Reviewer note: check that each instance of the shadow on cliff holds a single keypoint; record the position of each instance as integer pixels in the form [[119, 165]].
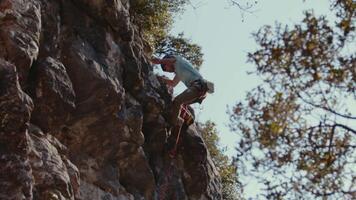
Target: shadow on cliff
[[82, 114]]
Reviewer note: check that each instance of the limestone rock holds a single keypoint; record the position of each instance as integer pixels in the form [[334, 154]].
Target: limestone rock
[[52, 93], [16, 180], [82, 115], [55, 177], [20, 33]]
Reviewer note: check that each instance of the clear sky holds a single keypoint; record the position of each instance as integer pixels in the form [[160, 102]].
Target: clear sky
[[225, 39]]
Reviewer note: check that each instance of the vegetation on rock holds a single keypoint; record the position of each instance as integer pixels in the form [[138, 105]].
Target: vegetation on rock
[[231, 187], [155, 18]]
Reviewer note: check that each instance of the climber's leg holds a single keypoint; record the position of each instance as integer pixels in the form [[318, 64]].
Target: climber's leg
[[186, 97]]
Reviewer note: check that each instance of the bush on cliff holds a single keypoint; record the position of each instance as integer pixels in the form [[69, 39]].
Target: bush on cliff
[[231, 188], [155, 18]]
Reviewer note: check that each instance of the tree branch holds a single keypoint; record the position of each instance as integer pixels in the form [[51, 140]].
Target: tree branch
[[325, 108], [341, 126], [345, 127], [328, 146], [244, 8], [331, 138]]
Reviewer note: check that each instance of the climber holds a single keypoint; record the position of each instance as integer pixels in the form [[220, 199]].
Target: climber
[[197, 87]]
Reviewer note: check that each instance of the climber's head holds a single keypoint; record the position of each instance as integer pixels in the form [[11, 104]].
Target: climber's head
[[168, 67]]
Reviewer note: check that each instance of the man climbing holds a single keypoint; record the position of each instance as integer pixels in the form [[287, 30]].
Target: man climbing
[[184, 71]]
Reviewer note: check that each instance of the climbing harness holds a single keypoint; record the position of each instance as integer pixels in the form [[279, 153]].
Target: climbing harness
[[186, 115]]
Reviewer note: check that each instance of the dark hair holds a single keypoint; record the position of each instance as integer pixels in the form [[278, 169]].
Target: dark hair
[[166, 56]]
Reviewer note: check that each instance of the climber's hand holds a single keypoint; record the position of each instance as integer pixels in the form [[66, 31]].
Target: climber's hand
[[161, 78], [155, 60], [170, 89]]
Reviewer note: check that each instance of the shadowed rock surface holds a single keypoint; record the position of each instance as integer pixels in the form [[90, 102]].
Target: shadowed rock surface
[[82, 114]]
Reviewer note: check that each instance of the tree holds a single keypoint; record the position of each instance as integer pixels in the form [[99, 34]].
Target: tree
[[181, 46], [154, 19], [231, 188], [296, 128]]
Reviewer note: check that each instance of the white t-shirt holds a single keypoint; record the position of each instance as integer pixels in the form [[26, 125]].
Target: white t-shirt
[[185, 71]]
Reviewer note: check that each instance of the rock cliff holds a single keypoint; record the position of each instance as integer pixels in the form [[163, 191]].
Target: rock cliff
[[82, 116]]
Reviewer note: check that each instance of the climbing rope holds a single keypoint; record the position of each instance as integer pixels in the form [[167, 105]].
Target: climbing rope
[[163, 189], [173, 153], [188, 119]]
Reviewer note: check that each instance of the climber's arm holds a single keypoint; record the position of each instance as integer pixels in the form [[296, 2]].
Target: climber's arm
[[169, 82], [174, 82], [163, 61]]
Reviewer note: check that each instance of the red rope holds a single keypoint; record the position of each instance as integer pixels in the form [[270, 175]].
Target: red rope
[[163, 189], [173, 152]]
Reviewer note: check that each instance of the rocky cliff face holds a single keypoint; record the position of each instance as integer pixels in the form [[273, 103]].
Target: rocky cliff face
[[82, 115]]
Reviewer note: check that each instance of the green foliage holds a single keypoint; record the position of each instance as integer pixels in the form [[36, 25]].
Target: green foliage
[[154, 19], [181, 46], [297, 124], [231, 188]]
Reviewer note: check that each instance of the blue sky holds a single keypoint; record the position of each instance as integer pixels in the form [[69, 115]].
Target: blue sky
[[225, 37]]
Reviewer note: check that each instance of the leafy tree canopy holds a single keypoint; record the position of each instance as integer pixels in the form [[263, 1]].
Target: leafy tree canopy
[[181, 46], [231, 188], [155, 18], [297, 128]]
